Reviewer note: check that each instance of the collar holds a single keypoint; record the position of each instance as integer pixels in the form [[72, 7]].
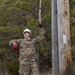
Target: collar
[[27, 38]]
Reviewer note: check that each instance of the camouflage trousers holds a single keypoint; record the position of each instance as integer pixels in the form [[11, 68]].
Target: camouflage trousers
[[29, 67]]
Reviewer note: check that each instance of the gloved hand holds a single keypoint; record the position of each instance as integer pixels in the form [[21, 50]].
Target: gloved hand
[[41, 25], [15, 47]]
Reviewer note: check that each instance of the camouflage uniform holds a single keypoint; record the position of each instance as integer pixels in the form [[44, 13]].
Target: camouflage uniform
[[28, 55]]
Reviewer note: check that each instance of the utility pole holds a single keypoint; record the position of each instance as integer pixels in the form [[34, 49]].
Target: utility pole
[[65, 61], [61, 51], [55, 56], [40, 10], [40, 22]]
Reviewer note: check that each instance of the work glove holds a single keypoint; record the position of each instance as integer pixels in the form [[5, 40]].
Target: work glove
[[15, 47], [41, 25]]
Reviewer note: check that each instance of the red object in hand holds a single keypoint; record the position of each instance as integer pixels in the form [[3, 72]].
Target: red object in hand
[[41, 25], [15, 47]]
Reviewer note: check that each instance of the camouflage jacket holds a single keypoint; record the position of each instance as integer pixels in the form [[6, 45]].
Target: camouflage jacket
[[27, 46]]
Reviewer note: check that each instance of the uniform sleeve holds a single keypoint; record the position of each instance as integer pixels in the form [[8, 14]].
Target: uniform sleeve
[[15, 41], [40, 37]]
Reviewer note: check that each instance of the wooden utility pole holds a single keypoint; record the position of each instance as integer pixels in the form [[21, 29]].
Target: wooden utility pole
[[61, 51], [65, 61], [55, 56]]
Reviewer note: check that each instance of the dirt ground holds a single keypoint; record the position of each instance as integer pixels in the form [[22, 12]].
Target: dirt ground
[[49, 72], [3, 73], [74, 67]]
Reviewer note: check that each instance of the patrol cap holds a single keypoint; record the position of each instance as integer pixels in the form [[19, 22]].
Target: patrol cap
[[27, 30]]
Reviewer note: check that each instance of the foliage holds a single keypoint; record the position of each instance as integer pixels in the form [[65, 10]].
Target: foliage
[[13, 67]]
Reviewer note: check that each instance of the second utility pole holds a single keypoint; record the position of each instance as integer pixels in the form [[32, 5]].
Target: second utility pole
[[55, 55]]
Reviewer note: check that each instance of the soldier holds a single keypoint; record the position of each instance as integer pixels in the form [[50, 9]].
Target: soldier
[[27, 52]]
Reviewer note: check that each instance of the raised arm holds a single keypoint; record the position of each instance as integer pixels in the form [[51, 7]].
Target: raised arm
[[40, 37]]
